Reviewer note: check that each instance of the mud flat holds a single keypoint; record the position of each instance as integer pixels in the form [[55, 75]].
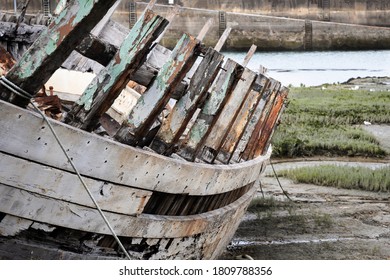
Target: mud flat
[[319, 222]]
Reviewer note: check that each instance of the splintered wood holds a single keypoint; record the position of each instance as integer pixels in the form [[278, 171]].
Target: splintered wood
[[196, 105], [53, 46], [106, 87]]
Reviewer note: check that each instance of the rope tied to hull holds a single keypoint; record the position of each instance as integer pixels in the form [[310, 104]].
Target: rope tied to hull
[[24, 94]]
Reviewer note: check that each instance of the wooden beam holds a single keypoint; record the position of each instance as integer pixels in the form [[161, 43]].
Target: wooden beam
[[174, 126], [248, 152], [205, 29], [249, 55], [153, 101], [222, 40], [228, 115], [241, 122], [106, 87], [51, 49], [269, 126], [219, 93], [254, 119], [6, 61]]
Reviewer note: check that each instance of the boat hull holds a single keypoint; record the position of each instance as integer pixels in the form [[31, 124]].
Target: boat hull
[[160, 207]]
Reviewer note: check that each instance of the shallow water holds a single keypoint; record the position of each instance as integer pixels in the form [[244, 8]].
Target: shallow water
[[317, 68]]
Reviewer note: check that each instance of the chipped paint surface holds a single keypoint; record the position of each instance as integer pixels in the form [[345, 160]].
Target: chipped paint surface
[[157, 96], [230, 110], [219, 92], [175, 124]]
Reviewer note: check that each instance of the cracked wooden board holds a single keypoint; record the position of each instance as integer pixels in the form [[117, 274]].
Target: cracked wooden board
[[240, 124], [229, 113], [219, 93], [53, 46], [107, 85], [23, 204], [65, 186], [173, 127], [153, 101], [115, 162]]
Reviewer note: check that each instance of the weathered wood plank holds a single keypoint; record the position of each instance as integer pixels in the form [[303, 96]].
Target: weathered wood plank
[[248, 152], [249, 55], [65, 186], [228, 115], [240, 123], [220, 91], [11, 225], [115, 163], [54, 45], [222, 40], [254, 119], [106, 87], [269, 126], [174, 126], [153, 101], [205, 29], [38, 208]]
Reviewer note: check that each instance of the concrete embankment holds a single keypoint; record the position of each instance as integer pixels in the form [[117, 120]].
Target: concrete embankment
[[267, 32]]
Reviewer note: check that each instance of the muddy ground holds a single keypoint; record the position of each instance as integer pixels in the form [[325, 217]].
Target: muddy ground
[[317, 222]]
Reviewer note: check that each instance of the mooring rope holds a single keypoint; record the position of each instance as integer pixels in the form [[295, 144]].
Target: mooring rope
[[24, 94], [277, 179]]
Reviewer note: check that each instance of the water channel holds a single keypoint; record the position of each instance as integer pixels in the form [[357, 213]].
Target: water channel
[[317, 68]]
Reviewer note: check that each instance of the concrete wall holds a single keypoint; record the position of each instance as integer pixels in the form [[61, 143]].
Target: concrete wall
[[367, 12], [272, 33], [267, 32]]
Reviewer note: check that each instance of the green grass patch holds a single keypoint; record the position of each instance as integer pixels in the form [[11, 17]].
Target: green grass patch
[[360, 178], [320, 122]]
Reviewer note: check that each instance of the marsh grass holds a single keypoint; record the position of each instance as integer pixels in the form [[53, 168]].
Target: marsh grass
[[359, 178], [324, 123]]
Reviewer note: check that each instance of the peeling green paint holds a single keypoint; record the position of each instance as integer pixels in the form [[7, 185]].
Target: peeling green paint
[[84, 9]]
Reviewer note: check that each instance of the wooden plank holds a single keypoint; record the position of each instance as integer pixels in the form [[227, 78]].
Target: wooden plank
[[96, 49], [269, 126], [205, 29], [106, 87], [115, 163], [254, 120], [240, 123], [248, 152], [174, 126], [11, 225], [222, 40], [153, 101], [23, 204], [65, 186], [249, 55], [220, 91], [228, 115], [51, 49]]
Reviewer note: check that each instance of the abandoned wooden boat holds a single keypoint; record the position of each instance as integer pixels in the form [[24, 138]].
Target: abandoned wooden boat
[[147, 189]]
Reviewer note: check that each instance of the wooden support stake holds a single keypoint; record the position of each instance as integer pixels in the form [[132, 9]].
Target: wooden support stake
[[153, 101], [106, 87], [170, 17], [248, 152], [228, 116], [219, 93], [51, 49], [240, 123], [177, 121]]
